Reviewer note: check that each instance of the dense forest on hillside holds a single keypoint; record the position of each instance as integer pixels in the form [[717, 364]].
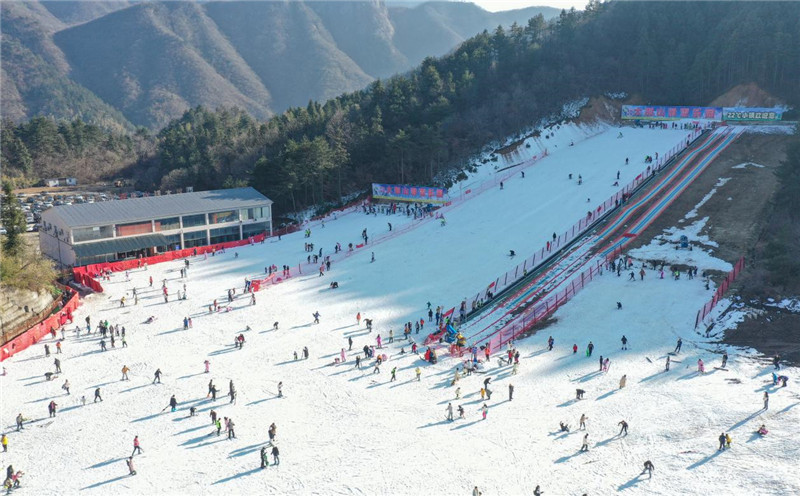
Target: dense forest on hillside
[[42, 148], [410, 128]]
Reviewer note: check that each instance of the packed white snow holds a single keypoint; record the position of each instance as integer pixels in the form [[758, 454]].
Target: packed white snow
[[667, 248], [341, 430]]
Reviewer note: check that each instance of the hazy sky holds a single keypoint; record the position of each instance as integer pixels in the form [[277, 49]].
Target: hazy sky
[[495, 5]]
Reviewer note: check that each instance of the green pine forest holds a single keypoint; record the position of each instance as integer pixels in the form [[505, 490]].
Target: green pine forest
[[423, 126]]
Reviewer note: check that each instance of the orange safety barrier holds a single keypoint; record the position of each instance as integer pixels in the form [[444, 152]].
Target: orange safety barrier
[[88, 274], [35, 333], [719, 293]]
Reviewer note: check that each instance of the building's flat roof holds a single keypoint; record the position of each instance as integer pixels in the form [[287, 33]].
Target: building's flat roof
[[156, 207]]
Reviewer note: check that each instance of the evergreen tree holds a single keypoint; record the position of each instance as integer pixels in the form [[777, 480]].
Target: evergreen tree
[[13, 220]]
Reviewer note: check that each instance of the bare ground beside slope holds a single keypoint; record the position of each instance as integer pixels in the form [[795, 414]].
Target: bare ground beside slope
[[737, 215]]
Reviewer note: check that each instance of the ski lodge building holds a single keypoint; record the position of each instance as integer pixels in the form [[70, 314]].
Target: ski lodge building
[[114, 230]]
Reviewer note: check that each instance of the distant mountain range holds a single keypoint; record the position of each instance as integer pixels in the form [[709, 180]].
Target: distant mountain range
[[125, 64]]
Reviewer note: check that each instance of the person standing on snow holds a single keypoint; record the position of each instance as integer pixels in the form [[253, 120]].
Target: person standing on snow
[[585, 444], [136, 447], [667, 369], [212, 389], [231, 432], [648, 467], [97, 396], [624, 342], [275, 456], [510, 392], [766, 400], [157, 376], [394, 376], [589, 349], [316, 316], [264, 459], [484, 410], [582, 423], [449, 411], [624, 428], [129, 463], [678, 346], [173, 403]]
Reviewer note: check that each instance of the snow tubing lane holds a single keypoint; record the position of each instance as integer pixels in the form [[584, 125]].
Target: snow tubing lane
[[524, 294], [716, 143]]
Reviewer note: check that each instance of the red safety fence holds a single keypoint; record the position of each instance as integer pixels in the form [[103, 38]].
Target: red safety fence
[[577, 230], [32, 336], [543, 308], [720, 292], [88, 274]]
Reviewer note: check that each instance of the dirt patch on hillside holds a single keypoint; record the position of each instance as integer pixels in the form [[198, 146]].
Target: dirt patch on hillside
[[745, 95], [737, 208], [600, 108], [737, 214], [512, 148]]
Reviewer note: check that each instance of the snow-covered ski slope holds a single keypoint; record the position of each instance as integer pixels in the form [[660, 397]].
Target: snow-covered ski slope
[[345, 431]]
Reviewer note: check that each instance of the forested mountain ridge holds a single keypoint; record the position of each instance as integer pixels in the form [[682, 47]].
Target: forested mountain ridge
[[412, 127], [34, 74], [125, 64]]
